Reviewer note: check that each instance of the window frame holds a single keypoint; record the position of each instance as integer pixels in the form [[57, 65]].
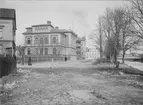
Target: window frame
[[46, 40], [1, 46], [36, 41], [28, 40], [46, 51], [54, 40], [42, 41], [54, 51], [1, 31]]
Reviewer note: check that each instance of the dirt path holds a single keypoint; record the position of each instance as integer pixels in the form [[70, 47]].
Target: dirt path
[[74, 86]]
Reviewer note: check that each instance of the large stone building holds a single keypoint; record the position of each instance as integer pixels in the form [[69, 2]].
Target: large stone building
[[44, 42]]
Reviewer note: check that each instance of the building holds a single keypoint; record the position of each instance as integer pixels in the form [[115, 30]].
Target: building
[[46, 42], [7, 31], [7, 41], [92, 53], [81, 47]]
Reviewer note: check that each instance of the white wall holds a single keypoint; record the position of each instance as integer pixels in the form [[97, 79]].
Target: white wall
[[7, 30]]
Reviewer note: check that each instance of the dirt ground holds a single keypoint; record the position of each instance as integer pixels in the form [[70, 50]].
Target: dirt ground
[[74, 85]]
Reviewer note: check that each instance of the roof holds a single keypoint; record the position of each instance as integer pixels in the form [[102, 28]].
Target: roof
[[42, 25], [28, 27], [53, 30]]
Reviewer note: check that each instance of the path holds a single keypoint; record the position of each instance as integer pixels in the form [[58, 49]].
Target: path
[[72, 63], [137, 65]]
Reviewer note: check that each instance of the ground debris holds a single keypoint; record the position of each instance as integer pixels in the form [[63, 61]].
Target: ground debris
[[97, 94]]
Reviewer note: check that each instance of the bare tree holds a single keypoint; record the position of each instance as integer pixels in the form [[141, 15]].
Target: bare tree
[[97, 37], [107, 25], [21, 50], [137, 15]]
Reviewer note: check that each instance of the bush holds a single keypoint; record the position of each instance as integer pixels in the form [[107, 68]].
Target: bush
[[103, 60]]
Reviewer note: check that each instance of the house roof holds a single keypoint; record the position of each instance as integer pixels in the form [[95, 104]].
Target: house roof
[[28, 27], [42, 25], [6, 13], [53, 30]]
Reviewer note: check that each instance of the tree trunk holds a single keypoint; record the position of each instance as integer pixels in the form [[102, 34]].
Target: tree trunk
[[22, 59], [100, 34], [123, 57]]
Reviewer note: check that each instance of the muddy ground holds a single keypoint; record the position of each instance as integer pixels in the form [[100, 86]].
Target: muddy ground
[[72, 86]]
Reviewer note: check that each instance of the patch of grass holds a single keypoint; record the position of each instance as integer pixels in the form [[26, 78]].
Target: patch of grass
[[122, 68]]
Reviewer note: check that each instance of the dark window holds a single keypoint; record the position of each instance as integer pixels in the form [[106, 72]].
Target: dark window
[[46, 51], [41, 51], [1, 49], [28, 41], [36, 51], [28, 51], [1, 35], [54, 40], [54, 50]]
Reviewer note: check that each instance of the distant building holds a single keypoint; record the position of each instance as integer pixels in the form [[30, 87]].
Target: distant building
[[7, 31], [80, 47], [44, 42], [92, 53]]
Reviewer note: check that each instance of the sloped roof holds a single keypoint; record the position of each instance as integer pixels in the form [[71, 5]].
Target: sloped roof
[[10, 14], [53, 30]]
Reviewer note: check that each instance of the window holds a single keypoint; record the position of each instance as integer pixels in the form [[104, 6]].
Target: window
[[36, 40], [41, 40], [54, 50], [54, 40], [41, 51], [46, 51], [1, 32], [28, 41], [46, 40], [1, 50], [28, 51], [36, 51]]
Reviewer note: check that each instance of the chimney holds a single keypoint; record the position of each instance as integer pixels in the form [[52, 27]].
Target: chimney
[[49, 22]]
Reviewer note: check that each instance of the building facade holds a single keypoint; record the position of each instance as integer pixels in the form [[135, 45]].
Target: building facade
[[7, 31], [7, 41], [44, 42], [92, 53]]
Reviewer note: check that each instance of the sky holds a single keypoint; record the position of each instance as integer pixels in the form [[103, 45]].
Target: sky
[[80, 15]]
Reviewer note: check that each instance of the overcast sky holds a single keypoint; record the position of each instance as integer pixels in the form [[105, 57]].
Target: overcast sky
[[79, 15]]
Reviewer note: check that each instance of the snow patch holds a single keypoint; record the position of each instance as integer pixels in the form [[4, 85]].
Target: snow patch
[[81, 94]]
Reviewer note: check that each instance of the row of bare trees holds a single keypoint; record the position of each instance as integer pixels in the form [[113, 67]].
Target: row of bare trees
[[119, 30]]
